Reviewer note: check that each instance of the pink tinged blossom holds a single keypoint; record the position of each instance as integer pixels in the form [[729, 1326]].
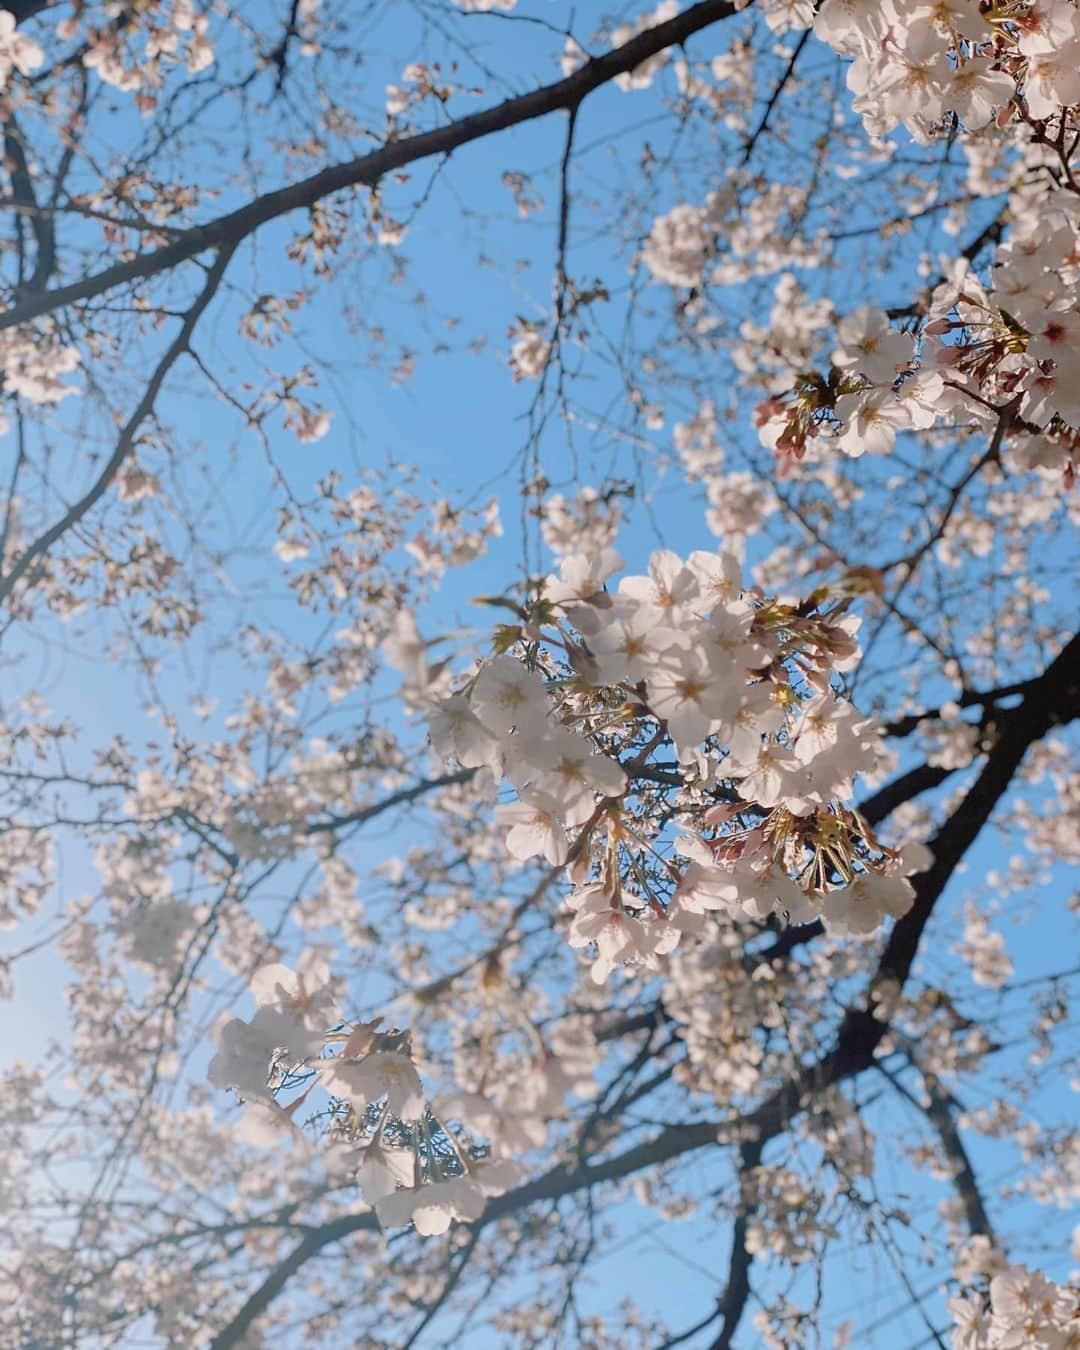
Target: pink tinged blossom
[[871, 420], [922, 398], [268, 1125], [582, 577], [534, 827], [835, 745], [629, 642], [1047, 26], [911, 88], [306, 993], [244, 1054], [17, 51], [383, 1170], [386, 1073], [616, 935], [757, 715], [970, 1323], [576, 771], [868, 346], [771, 891], [1052, 80], [719, 577], [704, 886], [432, 1208], [819, 723], [1041, 400], [612, 930], [692, 697], [508, 696], [783, 16], [772, 774], [859, 907], [951, 16], [1055, 336], [851, 26], [729, 648], [457, 733], [302, 1003], [976, 90], [669, 586]]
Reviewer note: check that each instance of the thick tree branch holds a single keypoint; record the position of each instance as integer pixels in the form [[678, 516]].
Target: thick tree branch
[[940, 1110], [26, 9], [1052, 700], [732, 1303], [970, 698], [228, 230], [25, 199]]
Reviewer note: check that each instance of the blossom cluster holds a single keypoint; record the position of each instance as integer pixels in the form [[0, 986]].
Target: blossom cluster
[[986, 357], [922, 64], [529, 351], [409, 1162], [17, 51], [1002, 357], [173, 34], [1023, 1308], [600, 706], [32, 366]]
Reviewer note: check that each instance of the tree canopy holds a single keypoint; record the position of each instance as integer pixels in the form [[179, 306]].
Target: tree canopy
[[538, 578]]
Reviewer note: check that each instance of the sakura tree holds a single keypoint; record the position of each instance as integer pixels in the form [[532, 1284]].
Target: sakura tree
[[538, 573]]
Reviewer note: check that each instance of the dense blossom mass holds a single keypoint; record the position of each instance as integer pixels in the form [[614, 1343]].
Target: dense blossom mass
[[538, 763], [739, 688]]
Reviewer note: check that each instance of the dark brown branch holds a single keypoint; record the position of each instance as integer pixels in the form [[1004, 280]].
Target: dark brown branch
[[732, 1303], [920, 779], [26, 9], [399, 798], [774, 98], [1052, 700], [942, 1115], [941, 1110], [970, 698], [228, 230], [25, 199]]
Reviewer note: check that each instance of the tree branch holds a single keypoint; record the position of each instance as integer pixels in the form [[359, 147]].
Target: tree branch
[[228, 230], [126, 441], [399, 798], [940, 1109]]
